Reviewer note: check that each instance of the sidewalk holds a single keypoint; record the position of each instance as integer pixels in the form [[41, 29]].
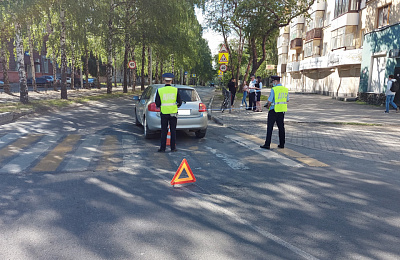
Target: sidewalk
[[322, 123], [44, 94]]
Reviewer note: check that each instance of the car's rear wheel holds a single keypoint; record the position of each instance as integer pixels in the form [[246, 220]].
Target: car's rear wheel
[[148, 134], [136, 119], [200, 133]]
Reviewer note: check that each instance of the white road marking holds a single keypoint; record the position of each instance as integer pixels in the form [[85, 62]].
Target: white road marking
[[232, 162], [266, 153], [209, 202], [26, 158]]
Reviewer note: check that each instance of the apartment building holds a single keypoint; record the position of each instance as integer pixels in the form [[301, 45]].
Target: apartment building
[[322, 53], [380, 25]]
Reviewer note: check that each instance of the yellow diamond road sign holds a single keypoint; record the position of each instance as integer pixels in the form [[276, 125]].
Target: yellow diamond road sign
[[220, 73], [223, 57]]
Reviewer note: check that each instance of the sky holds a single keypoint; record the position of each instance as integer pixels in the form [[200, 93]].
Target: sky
[[214, 39]]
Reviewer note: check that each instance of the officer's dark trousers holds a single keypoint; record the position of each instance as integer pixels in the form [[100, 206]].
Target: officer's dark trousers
[[277, 117], [252, 100], [165, 120]]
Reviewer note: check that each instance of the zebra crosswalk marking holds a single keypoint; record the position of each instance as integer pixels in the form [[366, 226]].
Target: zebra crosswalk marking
[[109, 160], [52, 160], [9, 138], [17, 146], [83, 155], [27, 157]]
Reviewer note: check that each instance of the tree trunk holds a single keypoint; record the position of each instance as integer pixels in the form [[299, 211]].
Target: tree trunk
[[87, 86], [23, 89], [115, 72], [4, 62], [125, 87], [64, 94], [157, 76], [143, 61], [134, 71], [109, 48], [33, 71], [81, 75], [98, 71], [161, 71], [173, 65], [54, 71], [150, 67], [72, 86]]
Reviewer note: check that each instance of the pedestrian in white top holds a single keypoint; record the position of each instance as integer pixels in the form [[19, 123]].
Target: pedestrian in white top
[[390, 95]]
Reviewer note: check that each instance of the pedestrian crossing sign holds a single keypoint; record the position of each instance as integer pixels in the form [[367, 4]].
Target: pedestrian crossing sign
[[184, 166], [223, 57]]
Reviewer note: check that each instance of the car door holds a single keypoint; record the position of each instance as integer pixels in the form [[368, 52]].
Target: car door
[[141, 106]]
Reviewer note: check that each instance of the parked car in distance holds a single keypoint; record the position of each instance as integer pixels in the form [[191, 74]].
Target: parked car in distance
[[68, 80], [192, 114], [1, 84], [92, 82], [39, 81]]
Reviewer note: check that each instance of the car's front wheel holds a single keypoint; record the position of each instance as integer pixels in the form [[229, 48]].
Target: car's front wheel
[[200, 133]]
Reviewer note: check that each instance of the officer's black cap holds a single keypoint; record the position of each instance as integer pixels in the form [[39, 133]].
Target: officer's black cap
[[168, 76], [275, 78]]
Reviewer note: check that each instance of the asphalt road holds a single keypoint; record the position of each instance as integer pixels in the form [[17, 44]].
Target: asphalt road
[[85, 184]]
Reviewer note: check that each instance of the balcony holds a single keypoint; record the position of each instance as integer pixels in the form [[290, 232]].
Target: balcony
[[296, 43], [347, 19], [293, 66], [283, 50], [315, 33]]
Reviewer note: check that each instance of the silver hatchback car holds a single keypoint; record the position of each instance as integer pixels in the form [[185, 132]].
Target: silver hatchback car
[[192, 114]]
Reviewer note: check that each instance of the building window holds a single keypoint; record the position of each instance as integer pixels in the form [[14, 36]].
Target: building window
[[383, 16], [308, 49], [344, 6]]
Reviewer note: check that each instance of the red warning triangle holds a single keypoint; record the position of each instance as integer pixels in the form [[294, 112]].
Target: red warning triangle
[[184, 166], [223, 59]]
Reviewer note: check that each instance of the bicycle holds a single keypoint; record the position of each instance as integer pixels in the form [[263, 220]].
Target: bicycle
[[227, 99]]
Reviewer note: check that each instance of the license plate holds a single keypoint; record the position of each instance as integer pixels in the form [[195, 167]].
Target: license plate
[[184, 112]]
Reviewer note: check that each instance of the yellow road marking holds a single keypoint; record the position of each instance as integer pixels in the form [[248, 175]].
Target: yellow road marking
[[18, 145], [288, 152], [52, 160], [109, 160]]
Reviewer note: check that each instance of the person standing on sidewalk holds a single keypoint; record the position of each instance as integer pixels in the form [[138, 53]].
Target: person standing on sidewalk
[[277, 105], [390, 95], [168, 100], [232, 89], [258, 94], [245, 91], [252, 93]]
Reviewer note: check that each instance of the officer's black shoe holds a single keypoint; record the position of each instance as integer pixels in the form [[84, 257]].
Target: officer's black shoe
[[161, 150], [265, 146], [281, 146], [174, 150]]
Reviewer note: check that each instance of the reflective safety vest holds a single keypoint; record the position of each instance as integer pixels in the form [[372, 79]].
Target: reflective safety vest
[[168, 96], [280, 95]]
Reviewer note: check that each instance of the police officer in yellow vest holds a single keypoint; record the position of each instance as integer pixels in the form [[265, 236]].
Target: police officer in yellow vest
[[168, 100], [277, 105]]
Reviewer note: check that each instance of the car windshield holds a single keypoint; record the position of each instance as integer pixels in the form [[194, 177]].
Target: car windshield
[[188, 95]]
